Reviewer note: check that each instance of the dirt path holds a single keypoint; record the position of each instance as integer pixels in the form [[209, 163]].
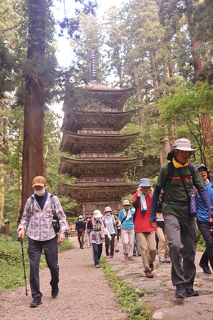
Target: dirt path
[[84, 293]]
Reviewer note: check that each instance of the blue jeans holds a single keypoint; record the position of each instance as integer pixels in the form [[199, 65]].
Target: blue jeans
[[97, 251]]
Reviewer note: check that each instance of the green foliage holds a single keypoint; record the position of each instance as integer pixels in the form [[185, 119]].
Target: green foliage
[[126, 294], [64, 246]]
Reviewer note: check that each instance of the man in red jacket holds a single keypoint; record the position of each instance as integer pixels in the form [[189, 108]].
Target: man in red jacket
[[145, 231]]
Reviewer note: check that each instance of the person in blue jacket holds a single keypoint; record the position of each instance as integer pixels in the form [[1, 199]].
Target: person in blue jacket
[[203, 220], [127, 229]]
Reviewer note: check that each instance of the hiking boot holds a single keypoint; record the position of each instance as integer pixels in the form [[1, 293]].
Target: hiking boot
[[107, 254], [180, 291], [167, 259], [162, 260], [116, 250], [139, 254], [134, 254], [97, 266], [149, 274], [54, 291], [191, 292], [151, 265], [111, 256], [35, 303], [205, 268], [126, 256], [131, 258]]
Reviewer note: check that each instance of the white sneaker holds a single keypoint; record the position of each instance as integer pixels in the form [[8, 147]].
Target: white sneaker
[[162, 260]]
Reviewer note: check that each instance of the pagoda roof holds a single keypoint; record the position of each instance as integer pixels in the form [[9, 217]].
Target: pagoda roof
[[113, 98], [96, 166], [79, 120], [96, 191], [75, 143]]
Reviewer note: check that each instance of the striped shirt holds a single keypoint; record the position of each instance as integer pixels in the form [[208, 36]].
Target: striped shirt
[[39, 223]]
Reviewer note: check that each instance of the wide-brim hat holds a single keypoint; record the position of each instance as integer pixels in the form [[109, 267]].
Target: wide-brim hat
[[144, 182], [126, 203], [201, 165], [97, 214], [183, 145], [39, 181], [107, 209]]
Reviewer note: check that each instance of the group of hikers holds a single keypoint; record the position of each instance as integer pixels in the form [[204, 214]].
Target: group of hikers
[[166, 213]]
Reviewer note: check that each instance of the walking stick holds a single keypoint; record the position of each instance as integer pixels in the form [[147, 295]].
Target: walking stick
[[22, 248]]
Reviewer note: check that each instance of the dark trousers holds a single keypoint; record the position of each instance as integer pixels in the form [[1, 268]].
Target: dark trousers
[[51, 254], [81, 238], [97, 251], [110, 244], [118, 233], [181, 236], [208, 238]]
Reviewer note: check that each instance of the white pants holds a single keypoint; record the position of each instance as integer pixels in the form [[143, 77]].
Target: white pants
[[128, 241]]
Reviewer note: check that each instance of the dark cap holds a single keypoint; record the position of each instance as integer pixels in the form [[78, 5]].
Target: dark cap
[[201, 165]]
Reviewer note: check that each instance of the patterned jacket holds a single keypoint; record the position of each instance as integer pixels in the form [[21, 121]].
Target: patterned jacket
[[39, 222]]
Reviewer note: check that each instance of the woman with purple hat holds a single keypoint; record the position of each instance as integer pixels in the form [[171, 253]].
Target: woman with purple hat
[[203, 222]]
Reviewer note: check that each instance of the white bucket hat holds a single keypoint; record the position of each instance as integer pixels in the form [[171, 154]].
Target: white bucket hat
[[107, 209], [182, 144], [97, 214], [126, 203], [80, 217]]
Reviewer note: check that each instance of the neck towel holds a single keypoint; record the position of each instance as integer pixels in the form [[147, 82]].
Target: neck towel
[[143, 202], [127, 214]]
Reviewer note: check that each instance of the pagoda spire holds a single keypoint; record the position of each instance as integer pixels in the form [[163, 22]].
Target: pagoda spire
[[93, 70]]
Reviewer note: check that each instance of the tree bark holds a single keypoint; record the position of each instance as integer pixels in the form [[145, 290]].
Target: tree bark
[[33, 162], [139, 96], [1, 168]]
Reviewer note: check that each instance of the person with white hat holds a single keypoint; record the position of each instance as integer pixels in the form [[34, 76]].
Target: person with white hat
[[177, 179], [97, 230], [38, 219], [203, 222], [127, 229], [144, 231], [109, 221], [80, 228]]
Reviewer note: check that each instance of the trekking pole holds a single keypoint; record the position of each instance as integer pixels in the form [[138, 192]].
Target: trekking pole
[[22, 248]]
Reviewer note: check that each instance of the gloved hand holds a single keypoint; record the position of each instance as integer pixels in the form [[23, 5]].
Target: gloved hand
[[109, 236]]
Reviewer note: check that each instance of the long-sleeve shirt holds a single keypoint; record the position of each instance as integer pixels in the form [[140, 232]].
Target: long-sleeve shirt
[[39, 222]]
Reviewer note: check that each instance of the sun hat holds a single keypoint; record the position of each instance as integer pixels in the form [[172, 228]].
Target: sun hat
[[201, 165], [39, 181], [126, 203], [97, 214], [144, 182], [182, 144], [80, 217], [107, 209]]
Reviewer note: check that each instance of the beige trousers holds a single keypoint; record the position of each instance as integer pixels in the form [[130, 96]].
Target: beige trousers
[[163, 247], [128, 241], [147, 245]]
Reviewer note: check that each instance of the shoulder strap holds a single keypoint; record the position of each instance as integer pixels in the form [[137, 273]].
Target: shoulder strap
[[191, 169], [52, 204], [188, 196], [31, 206], [169, 175]]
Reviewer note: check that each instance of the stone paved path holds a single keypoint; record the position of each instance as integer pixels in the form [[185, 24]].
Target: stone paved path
[[159, 290], [84, 293]]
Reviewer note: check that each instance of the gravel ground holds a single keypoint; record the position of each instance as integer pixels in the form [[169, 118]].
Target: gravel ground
[[84, 293]]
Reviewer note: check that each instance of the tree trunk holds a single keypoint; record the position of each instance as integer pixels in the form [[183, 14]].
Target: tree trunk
[[33, 162], [1, 165], [139, 96]]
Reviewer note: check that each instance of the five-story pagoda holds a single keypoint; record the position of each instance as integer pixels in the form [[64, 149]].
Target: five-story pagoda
[[94, 137]]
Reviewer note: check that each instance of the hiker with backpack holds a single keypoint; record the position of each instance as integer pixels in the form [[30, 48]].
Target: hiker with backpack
[[177, 179], [203, 222], [127, 229], [97, 230], [141, 201], [109, 221], [80, 227], [39, 211]]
